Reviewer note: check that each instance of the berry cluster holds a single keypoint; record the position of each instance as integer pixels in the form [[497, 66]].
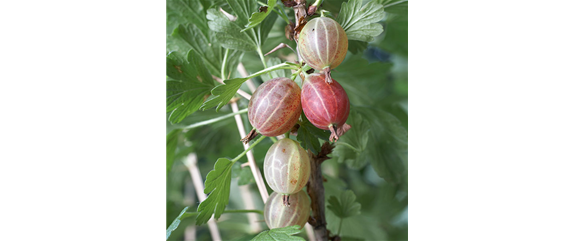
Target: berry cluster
[[275, 107]]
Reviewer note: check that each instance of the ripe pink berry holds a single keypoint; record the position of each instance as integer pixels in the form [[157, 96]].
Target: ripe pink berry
[[279, 215], [324, 104], [275, 106], [286, 167], [323, 43]]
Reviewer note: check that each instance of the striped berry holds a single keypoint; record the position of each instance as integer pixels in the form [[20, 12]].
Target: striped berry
[[325, 105], [275, 106], [286, 167], [323, 44], [279, 215]]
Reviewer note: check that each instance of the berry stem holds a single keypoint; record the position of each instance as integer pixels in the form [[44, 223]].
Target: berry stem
[[223, 117], [190, 214], [223, 64], [262, 59], [294, 76], [248, 149]]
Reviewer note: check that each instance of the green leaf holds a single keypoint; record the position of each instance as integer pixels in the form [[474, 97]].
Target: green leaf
[[357, 46], [175, 223], [205, 45], [376, 137], [187, 11], [217, 185], [396, 36], [307, 134], [345, 206], [361, 23], [258, 17], [364, 82], [245, 177], [333, 6], [352, 147], [243, 173], [391, 141], [279, 234], [242, 9], [396, 27], [189, 82], [229, 34], [172, 141], [222, 94]]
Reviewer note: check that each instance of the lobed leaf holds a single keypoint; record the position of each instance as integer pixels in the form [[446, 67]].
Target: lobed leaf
[[205, 45], [187, 11], [217, 185], [229, 33], [345, 206], [242, 9], [353, 148], [189, 81], [361, 23], [390, 160], [279, 234], [258, 17], [384, 146], [175, 223]]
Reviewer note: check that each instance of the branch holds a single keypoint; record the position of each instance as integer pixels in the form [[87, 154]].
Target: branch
[[317, 192]]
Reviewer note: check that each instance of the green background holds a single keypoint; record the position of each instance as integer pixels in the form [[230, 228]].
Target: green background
[[490, 127]]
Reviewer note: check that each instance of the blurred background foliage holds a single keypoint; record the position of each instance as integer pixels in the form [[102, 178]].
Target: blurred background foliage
[[370, 160]]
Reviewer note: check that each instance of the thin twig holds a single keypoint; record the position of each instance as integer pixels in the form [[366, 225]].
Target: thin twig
[[191, 163], [243, 72], [250, 158]]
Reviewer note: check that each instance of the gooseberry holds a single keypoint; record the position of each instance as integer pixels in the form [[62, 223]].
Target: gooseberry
[[323, 44], [286, 167], [275, 106], [279, 215], [325, 105]]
